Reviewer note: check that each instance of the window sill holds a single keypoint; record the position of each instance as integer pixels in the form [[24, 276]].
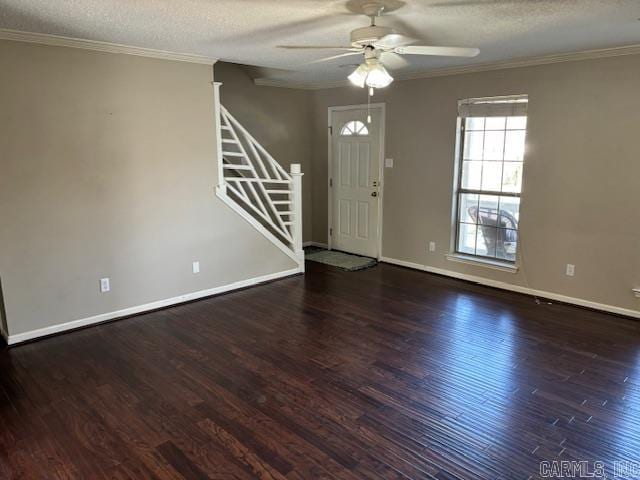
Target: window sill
[[482, 262]]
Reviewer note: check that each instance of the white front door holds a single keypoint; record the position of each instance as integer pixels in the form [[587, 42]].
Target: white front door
[[356, 151]]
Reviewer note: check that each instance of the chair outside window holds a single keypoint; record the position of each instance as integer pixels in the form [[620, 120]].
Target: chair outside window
[[489, 181]]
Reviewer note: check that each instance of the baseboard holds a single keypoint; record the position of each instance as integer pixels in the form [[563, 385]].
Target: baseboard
[[516, 288], [127, 312], [315, 244]]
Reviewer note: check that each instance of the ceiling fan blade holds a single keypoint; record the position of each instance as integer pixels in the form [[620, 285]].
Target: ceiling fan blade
[[333, 57], [393, 40], [317, 47], [393, 61], [437, 51]]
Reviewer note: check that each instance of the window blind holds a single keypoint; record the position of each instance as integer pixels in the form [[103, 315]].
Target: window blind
[[511, 106]]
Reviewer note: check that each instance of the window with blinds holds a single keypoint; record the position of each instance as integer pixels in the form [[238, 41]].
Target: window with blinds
[[489, 181]]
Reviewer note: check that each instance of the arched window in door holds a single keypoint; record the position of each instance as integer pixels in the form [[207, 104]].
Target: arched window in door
[[354, 128]]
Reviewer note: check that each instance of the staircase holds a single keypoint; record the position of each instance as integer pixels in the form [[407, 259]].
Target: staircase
[[257, 187]]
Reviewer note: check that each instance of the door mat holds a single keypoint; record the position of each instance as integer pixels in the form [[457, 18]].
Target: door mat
[[346, 261]]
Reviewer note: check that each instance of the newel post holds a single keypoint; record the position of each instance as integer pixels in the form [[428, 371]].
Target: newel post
[[296, 197], [221, 186]]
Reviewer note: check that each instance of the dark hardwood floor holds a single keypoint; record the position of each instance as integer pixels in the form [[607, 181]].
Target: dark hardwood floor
[[385, 373]]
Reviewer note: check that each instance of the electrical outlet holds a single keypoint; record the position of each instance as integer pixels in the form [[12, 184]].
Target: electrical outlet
[[636, 292], [571, 270], [432, 246], [105, 285], [388, 162], [196, 267]]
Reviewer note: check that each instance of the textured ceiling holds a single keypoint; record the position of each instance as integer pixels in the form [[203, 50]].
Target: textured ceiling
[[247, 31]]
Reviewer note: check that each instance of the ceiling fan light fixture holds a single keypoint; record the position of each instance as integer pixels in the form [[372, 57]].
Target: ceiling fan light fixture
[[378, 42], [371, 74], [359, 75], [378, 76]]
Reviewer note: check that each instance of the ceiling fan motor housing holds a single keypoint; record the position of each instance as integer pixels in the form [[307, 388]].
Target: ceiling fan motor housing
[[362, 37]]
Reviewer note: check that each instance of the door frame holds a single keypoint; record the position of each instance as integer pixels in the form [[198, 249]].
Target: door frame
[[383, 131]]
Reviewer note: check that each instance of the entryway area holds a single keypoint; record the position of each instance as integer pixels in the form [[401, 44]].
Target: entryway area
[[356, 150], [345, 261]]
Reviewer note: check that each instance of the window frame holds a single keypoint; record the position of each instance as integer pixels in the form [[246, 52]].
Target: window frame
[[459, 190]]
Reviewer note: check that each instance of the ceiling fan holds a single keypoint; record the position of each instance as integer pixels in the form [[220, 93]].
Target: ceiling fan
[[381, 46]]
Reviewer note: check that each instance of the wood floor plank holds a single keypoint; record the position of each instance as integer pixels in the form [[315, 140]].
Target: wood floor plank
[[385, 373]]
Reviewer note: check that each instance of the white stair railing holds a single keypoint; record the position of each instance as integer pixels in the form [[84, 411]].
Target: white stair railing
[[256, 186]]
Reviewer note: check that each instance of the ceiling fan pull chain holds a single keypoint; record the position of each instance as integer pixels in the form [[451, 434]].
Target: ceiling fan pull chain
[[369, 104]]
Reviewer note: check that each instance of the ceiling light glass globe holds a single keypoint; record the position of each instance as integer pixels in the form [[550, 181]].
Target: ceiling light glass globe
[[378, 76], [359, 75]]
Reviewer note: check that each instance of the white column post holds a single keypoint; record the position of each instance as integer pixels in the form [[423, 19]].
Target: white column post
[[221, 186], [296, 208]]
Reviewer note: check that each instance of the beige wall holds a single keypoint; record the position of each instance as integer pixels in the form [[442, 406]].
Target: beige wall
[[107, 164], [107, 168], [581, 181], [278, 118]]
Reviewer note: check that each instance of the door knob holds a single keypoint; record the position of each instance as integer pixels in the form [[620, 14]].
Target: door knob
[[374, 194]]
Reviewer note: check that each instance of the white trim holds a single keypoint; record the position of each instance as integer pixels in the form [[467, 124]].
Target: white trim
[[220, 193], [516, 288], [42, 332], [296, 222], [363, 106], [483, 67], [453, 230], [316, 244], [218, 119], [272, 82], [383, 109], [482, 262], [383, 154], [60, 41]]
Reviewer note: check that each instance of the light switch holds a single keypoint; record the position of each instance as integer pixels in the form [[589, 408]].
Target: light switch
[[105, 285], [388, 162]]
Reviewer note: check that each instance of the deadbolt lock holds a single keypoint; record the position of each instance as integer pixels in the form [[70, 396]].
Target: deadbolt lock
[[375, 183]]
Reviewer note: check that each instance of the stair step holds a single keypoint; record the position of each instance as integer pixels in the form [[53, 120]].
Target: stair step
[[262, 180], [223, 127], [233, 154], [229, 140], [286, 213], [287, 223], [283, 192], [231, 166], [282, 202]]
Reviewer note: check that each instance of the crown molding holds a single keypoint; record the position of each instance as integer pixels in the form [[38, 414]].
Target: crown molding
[[60, 41], [272, 82], [483, 67]]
